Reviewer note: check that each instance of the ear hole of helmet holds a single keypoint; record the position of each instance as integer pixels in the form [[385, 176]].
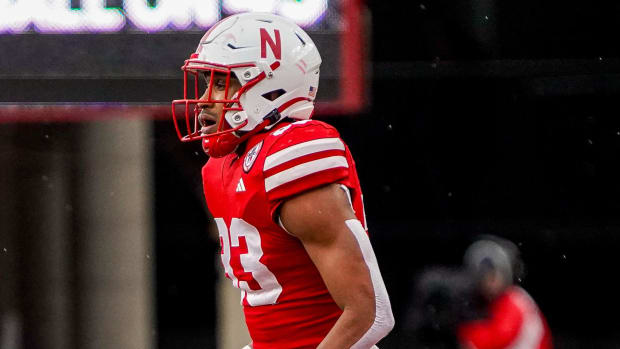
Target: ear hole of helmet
[[273, 95]]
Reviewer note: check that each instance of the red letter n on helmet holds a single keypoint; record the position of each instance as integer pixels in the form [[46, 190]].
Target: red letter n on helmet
[[276, 47]]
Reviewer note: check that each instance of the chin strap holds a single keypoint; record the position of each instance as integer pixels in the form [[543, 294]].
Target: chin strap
[[227, 143], [273, 117]]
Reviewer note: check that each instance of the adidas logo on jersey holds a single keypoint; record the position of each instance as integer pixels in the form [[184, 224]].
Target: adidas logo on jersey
[[240, 186]]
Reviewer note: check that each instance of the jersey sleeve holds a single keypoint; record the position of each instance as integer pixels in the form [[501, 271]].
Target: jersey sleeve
[[306, 155], [498, 331]]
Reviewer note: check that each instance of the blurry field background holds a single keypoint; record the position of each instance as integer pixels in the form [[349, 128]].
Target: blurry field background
[[465, 118]]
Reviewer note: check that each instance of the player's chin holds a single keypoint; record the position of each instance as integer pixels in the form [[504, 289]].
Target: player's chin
[[207, 130]]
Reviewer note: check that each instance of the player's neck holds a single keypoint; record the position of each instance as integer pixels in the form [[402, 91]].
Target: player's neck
[[241, 149]]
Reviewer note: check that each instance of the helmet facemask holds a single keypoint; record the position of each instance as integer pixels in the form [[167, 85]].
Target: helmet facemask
[[226, 137]]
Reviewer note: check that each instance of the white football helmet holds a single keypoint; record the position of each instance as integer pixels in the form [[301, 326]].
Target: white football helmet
[[491, 252], [271, 57]]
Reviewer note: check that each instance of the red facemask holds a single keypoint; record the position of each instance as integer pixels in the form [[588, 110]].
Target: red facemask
[[226, 138]]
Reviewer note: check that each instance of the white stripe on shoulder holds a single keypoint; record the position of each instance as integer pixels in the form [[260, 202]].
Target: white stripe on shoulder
[[301, 149], [304, 169]]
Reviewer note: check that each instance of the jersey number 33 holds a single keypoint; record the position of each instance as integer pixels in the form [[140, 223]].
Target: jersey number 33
[[241, 253]]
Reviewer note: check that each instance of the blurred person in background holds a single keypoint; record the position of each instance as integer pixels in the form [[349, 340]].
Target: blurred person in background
[[443, 299], [477, 305], [512, 320], [282, 188]]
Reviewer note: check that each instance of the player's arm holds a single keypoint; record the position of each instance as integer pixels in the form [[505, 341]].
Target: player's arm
[[323, 220]]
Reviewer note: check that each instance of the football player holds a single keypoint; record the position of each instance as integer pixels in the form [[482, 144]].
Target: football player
[[283, 188], [514, 320]]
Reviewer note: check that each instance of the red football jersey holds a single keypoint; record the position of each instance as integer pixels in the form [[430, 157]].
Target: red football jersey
[[515, 322], [285, 300]]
